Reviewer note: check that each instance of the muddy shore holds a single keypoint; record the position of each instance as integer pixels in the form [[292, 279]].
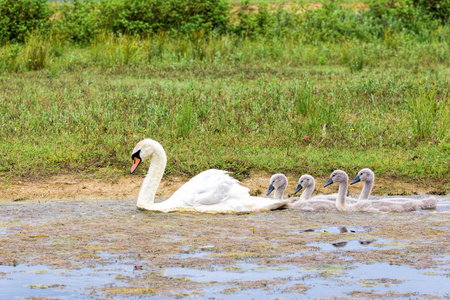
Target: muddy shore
[[73, 187]]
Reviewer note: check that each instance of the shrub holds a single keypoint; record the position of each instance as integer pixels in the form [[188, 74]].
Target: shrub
[[251, 23], [145, 17], [20, 17], [76, 21], [332, 22], [439, 9], [416, 16]]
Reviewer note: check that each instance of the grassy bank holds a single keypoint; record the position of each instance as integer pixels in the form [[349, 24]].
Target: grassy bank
[[273, 105]]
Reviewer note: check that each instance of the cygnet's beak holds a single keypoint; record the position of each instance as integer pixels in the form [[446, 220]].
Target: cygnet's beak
[[271, 188], [299, 187], [330, 181], [355, 180]]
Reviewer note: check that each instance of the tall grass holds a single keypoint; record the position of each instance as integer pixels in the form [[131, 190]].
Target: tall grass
[[84, 120], [430, 116], [36, 52], [109, 50]]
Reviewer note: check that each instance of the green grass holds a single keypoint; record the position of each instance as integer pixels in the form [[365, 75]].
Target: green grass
[[238, 104], [303, 2]]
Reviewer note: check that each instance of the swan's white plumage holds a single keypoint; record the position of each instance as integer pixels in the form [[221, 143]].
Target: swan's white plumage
[[210, 191], [341, 177], [368, 176]]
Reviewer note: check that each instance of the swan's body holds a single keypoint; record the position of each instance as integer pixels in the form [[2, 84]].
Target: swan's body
[[210, 191], [368, 177], [341, 177], [280, 184], [307, 181]]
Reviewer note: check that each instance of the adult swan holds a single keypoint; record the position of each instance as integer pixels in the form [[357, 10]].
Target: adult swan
[[210, 191]]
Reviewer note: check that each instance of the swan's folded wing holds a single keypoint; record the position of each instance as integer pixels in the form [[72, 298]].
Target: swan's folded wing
[[313, 205], [427, 203], [386, 206], [211, 187]]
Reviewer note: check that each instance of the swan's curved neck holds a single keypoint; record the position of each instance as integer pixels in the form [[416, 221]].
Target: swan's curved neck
[[365, 193], [307, 192], [340, 200], [146, 198]]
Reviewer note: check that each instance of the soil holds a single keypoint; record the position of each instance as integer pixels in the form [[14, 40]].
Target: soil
[[73, 187]]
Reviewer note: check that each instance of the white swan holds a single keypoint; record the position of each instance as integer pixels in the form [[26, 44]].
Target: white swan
[[365, 205], [368, 176], [210, 191], [307, 181], [280, 183]]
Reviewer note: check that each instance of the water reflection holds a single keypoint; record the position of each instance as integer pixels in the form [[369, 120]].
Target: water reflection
[[361, 244], [337, 229]]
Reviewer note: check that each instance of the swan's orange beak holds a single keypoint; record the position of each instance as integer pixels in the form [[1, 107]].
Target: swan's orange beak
[[136, 162]]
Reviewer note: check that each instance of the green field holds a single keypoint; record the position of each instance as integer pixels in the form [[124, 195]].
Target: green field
[[279, 103]]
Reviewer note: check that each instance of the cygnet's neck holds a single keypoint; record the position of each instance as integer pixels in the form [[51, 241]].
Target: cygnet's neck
[[278, 195], [146, 198], [340, 201], [307, 192], [367, 189]]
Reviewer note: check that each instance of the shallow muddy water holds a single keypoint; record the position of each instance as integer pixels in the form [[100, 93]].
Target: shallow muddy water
[[104, 249]]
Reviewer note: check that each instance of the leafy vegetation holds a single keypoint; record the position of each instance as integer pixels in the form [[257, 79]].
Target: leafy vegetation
[[19, 18], [270, 89]]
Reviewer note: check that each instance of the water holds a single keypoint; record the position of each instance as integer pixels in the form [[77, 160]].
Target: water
[[336, 229], [41, 281], [443, 205], [235, 279], [360, 245], [318, 281], [344, 229]]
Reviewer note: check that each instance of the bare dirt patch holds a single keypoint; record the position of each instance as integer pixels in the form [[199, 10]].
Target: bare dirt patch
[[292, 7], [73, 187]]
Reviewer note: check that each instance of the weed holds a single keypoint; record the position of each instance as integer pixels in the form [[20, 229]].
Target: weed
[[35, 53], [429, 114]]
